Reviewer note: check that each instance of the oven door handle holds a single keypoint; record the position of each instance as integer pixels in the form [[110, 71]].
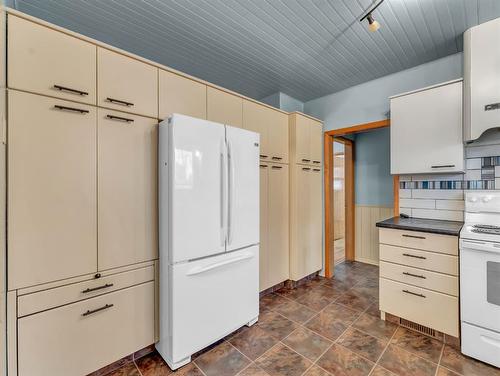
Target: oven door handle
[[480, 245]]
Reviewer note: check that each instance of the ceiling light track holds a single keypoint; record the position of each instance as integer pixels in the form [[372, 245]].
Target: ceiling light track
[[372, 24]]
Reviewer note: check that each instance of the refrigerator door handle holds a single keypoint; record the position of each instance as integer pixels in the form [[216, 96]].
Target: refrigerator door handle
[[215, 265], [230, 195], [223, 192]]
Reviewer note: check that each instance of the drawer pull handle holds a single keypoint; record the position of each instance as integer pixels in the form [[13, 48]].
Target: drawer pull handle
[[69, 90], [316, 161], [414, 293], [413, 236], [119, 118], [97, 288], [277, 158], [306, 169], [277, 167], [316, 169], [117, 101], [89, 312], [71, 109], [415, 275], [492, 106], [306, 160], [263, 166], [444, 166], [417, 257], [264, 156]]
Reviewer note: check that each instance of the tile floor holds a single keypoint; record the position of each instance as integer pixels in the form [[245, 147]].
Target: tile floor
[[326, 327]]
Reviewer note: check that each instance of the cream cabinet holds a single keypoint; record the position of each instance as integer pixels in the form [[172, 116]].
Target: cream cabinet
[[225, 108], [52, 232], [44, 61], [426, 130], [306, 221], [126, 84], [481, 79], [272, 127], [419, 278], [274, 230], [306, 140], [178, 94], [127, 188]]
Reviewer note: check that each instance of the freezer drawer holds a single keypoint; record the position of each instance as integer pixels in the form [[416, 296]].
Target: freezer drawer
[[209, 299]]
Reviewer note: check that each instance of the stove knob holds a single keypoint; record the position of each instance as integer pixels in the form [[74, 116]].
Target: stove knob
[[487, 199], [472, 199]]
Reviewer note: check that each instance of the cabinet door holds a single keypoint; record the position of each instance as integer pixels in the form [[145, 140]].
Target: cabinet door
[[224, 108], [426, 131], [300, 262], [302, 140], [278, 135], [316, 142], [481, 78], [278, 249], [181, 95], [315, 257], [127, 189], [52, 189], [126, 84], [264, 228], [254, 119], [48, 62]]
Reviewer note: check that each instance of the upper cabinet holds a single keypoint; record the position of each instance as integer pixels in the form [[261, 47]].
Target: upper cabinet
[[273, 128], [426, 130], [306, 138], [225, 108], [481, 79], [52, 63], [178, 94], [126, 84]]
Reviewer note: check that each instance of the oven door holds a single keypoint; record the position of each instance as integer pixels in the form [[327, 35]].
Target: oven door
[[480, 283]]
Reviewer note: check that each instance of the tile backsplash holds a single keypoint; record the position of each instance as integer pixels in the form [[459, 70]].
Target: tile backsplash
[[442, 196]]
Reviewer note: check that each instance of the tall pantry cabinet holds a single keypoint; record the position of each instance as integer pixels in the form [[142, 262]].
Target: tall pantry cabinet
[[306, 218]]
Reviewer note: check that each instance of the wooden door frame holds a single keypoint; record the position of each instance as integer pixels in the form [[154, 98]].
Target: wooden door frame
[[329, 137]]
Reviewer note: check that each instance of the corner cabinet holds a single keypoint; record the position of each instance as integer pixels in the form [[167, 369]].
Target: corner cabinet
[[481, 79], [426, 130]]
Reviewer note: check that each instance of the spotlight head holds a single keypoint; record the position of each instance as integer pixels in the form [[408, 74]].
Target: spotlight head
[[372, 24]]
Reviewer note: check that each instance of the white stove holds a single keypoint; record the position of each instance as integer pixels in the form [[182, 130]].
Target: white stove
[[480, 276]]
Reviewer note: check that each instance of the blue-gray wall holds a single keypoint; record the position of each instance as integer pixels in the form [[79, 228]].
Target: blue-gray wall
[[283, 101], [370, 102]]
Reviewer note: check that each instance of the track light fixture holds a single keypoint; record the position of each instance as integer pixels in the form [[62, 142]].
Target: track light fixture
[[373, 25]]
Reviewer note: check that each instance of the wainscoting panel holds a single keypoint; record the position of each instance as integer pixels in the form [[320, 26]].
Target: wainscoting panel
[[366, 242]]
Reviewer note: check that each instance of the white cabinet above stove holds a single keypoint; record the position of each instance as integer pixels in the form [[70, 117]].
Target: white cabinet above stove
[[426, 130], [481, 79]]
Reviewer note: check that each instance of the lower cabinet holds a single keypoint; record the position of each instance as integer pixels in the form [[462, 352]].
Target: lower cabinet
[[80, 338], [274, 224], [306, 239]]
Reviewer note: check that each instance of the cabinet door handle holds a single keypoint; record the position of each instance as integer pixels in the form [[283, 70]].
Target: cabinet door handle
[[415, 275], [492, 106], [69, 90], [414, 256], [89, 312], [277, 167], [264, 156], [306, 160], [97, 288], [277, 158], [117, 101], [263, 166], [414, 293], [316, 161], [306, 169], [316, 169], [413, 236], [443, 166], [71, 109], [119, 118]]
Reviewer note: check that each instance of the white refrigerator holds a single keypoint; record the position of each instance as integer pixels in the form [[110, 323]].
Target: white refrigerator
[[209, 234]]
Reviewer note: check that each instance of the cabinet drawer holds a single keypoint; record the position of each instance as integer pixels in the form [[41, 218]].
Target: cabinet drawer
[[126, 84], [47, 299], [422, 278], [425, 307], [420, 240], [80, 338], [49, 62], [420, 259]]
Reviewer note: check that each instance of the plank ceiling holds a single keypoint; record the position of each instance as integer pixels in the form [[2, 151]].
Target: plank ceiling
[[305, 48]]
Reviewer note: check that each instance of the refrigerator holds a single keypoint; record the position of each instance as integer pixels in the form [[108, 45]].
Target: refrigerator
[[208, 233]]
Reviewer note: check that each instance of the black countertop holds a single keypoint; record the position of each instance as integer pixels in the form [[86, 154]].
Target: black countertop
[[435, 226]]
